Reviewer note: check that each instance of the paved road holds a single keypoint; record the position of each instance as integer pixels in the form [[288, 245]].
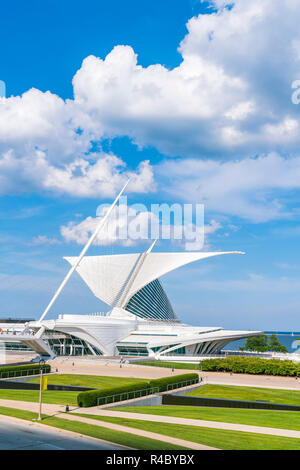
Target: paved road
[[16, 435]]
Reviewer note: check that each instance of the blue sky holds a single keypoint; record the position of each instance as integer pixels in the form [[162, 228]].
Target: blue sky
[[195, 98]]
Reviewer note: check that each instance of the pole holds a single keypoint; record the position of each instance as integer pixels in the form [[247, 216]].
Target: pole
[[41, 386], [75, 266]]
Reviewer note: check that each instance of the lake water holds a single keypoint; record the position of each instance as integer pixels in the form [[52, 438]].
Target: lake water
[[290, 339]]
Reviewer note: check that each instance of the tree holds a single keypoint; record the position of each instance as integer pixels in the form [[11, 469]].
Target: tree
[[257, 343], [275, 345]]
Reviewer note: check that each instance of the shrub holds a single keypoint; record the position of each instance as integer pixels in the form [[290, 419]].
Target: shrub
[[251, 365], [17, 371], [91, 397], [163, 383]]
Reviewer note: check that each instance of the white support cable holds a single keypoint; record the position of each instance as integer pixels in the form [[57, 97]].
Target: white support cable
[[85, 249]]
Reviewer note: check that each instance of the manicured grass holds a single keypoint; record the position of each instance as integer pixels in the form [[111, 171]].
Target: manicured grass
[[93, 381], [218, 438], [269, 418], [170, 365], [117, 437], [49, 396], [290, 397]]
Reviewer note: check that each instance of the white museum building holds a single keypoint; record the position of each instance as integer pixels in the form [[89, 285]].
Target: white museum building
[[141, 321]]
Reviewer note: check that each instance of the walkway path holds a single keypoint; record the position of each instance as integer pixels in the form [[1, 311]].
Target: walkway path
[[57, 411], [108, 367], [191, 422]]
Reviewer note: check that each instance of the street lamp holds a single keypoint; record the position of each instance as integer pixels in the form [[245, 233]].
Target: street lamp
[[41, 363]]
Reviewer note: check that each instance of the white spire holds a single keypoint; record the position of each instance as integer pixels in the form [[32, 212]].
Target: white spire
[[85, 249]]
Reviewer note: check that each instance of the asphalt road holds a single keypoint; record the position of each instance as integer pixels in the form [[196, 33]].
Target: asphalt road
[[19, 436]]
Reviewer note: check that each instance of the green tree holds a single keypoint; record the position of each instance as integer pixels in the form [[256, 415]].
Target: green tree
[[275, 345], [257, 343]]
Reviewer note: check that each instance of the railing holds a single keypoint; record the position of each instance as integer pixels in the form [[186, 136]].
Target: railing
[[20, 373], [126, 396], [186, 383]]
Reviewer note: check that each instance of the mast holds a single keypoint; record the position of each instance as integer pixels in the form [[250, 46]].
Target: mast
[[85, 249]]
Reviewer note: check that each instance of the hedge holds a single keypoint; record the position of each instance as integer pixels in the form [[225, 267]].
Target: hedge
[[91, 398], [252, 365], [17, 371], [163, 383]]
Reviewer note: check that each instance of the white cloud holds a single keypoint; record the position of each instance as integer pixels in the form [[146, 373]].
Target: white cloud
[[100, 175], [44, 240], [128, 226], [230, 97], [248, 188], [45, 144], [123, 228], [230, 94]]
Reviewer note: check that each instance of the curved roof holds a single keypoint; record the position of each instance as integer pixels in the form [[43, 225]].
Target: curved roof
[[115, 279]]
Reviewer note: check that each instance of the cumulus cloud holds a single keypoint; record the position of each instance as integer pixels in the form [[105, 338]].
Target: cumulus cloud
[[101, 174], [230, 97], [248, 188], [45, 144], [230, 94]]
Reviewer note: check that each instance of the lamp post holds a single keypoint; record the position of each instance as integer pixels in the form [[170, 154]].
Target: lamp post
[[41, 362]]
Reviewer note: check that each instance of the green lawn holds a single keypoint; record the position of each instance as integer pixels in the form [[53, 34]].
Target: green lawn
[[89, 380], [49, 396], [269, 395], [99, 432], [218, 438], [170, 365], [62, 397], [269, 418]]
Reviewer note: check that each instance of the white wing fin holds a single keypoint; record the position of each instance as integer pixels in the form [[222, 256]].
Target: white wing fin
[[108, 276]]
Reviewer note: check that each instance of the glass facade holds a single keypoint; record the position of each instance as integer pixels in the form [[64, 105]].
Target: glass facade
[[13, 346], [68, 345], [132, 351], [151, 302]]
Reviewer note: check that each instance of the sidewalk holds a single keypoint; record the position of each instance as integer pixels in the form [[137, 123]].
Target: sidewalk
[[57, 411], [192, 422]]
